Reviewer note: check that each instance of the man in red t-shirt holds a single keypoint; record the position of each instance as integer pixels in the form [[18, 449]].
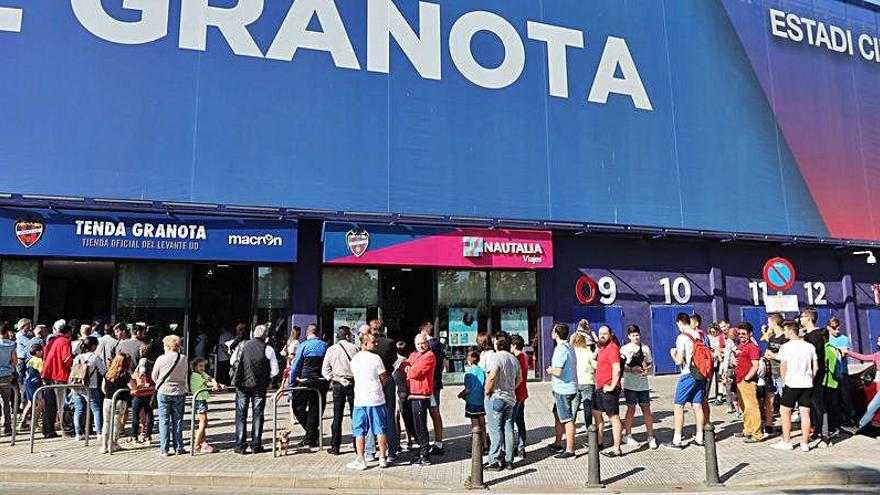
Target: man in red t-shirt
[[608, 373], [747, 359], [517, 343]]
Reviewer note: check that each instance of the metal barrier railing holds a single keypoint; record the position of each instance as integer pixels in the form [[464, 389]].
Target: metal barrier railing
[[112, 424], [64, 386], [275, 398], [192, 420], [14, 412]]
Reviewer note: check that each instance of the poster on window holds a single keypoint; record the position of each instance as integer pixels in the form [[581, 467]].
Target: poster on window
[[515, 321], [349, 317], [463, 326]]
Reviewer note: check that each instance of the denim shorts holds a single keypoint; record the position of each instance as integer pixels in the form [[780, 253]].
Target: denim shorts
[[634, 397], [689, 390], [562, 407], [201, 406], [369, 419]]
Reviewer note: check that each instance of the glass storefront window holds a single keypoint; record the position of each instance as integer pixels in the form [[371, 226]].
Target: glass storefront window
[[18, 289], [273, 302], [462, 315], [154, 293], [515, 310], [349, 296]]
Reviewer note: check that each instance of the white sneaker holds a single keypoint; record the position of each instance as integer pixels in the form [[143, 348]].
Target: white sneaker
[[80, 438], [782, 445], [805, 447], [357, 464], [102, 450], [383, 462], [630, 441], [652, 444]]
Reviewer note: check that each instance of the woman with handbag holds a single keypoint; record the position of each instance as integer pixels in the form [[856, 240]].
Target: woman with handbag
[[143, 395], [170, 376], [117, 378]]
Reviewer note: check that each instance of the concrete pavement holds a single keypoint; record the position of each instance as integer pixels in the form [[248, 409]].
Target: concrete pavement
[[852, 461]]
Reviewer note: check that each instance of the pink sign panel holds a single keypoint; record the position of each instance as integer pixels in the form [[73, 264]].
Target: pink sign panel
[[452, 247]]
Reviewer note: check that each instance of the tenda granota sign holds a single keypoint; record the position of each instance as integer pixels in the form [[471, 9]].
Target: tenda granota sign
[[110, 235]]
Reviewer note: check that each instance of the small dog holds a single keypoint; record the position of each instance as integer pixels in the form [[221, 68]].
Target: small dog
[[283, 441]]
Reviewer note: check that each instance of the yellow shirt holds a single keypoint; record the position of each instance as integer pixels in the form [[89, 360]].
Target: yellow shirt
[[36, 363]]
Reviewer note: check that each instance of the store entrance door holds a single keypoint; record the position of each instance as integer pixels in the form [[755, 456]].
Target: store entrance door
[[407, 301], [222, 295], [75, 289]]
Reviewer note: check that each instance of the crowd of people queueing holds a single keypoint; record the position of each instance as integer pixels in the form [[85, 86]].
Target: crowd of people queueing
[[802, 376]]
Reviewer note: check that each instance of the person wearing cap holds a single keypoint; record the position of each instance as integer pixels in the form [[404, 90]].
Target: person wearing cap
[[57, 361], [337, 370]]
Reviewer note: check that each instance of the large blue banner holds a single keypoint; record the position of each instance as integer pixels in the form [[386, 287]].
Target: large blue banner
[[109, 235], [733, 115]]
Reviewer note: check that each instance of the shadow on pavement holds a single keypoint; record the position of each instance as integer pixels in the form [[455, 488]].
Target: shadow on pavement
[[622, 476], [732, 472], [511, 476]]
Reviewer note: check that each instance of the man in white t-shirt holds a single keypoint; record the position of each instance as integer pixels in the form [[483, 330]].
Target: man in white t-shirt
[[798, 364], [370, 413], [689, 390]]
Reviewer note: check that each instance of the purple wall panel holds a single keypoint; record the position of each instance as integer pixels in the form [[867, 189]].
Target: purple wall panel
[[637, 267]]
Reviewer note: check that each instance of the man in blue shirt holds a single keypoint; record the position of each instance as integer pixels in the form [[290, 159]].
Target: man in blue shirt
[[24, 337], [564, 384], [305, 371]]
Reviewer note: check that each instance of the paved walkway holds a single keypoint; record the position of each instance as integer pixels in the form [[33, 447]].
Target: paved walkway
[[852, 460]]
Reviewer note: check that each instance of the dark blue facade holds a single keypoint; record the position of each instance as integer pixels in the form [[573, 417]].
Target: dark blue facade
[[719, 275]]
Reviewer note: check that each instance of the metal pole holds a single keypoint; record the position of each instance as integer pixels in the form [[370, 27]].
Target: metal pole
[[62, 386], [320, 419], [192, 422], [712, 477], [34, 414], [594, 474], [475, 480], [113, 420], [88, 414], [275, 421], [15, 405]]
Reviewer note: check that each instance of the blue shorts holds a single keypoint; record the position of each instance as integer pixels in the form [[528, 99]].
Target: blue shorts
[[689, 390], [562, 407], [634, 397], [201, 406], [474, 410], [435, 399], [369, 419]]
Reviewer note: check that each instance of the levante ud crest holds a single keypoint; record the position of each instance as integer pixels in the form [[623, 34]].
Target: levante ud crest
[[28, 233], [357, 241]]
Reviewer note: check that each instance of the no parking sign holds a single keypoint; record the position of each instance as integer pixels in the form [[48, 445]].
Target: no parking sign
[[779, 274]]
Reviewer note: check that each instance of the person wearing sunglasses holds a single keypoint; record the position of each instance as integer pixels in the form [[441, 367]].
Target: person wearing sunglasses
[[747, 362]]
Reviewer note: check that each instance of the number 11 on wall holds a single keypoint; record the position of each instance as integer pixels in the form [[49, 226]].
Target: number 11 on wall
[[758, 296]]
